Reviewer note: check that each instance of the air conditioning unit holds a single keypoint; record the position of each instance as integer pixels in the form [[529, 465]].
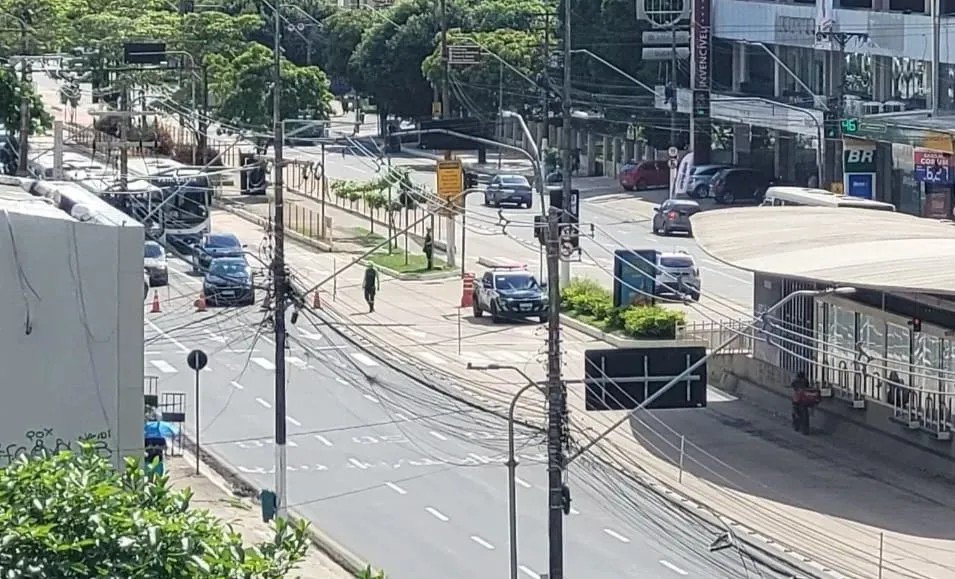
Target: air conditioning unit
[[871, 108], [893, 107]]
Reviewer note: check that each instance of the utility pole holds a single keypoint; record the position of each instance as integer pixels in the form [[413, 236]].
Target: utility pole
[[839, 88], [556, 276], [674, 88], [203, 125], [935, 10], [23, 159], [278, 276], [126, 115], [446, 61], [545, 82]]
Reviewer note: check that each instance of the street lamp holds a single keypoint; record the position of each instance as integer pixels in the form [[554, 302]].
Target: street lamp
[[682, 376], [511, 459], [535, 153]]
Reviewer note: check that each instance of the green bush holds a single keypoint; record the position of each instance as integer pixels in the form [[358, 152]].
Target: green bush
[[651, 322], [586, 297]]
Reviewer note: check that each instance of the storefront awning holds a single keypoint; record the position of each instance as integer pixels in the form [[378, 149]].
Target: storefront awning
[[841, 246]]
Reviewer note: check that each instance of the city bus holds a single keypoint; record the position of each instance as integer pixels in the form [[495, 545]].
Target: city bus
[[804, 196]]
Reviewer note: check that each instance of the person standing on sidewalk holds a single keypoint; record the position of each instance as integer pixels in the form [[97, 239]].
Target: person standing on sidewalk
[[429, 248], [371, 286]]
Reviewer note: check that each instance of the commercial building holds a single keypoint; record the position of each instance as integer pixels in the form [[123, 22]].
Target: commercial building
[[790, 74], [71, 309], [887, 351]]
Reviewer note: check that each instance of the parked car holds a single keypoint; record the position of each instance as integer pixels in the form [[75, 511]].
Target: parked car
[[701, 176], [739, 184], [228, 281], [509, 294], [154, 260], [644, 175], [674, 216], [213, 245], [509, 189]]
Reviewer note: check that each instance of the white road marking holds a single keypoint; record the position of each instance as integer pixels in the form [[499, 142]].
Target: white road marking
[[438, 435], [297, 362], [215, 337], [358, 464], [431, 358], [401, 417], [323, 440], [162, 333], [482, 542], [237, 386], [396, 488], [522, 482], [714, 395], [290, 442], [436, 514], [310, 335], [363, 359], [529, 572], [574, 511], [371, 398], [265, 363], [416, 334], [163, 366], [293, 421], [343, 381], [673, 567], [263, 402], [616, 535], [509, 356]]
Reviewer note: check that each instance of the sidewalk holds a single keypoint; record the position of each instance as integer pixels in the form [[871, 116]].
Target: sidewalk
[[830, 504], [211, 492]]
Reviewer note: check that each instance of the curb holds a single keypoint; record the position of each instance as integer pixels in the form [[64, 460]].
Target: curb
[[245, 488], [619, 342], [253, 218], [401, 276]]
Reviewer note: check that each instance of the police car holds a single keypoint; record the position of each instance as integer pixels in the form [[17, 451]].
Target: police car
[[508, 291]]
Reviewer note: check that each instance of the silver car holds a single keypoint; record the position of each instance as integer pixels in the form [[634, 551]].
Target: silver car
[[678, 274], [699, 183], [509, 189]]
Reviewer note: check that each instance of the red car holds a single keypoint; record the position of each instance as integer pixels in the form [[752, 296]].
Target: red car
[[644, 175]]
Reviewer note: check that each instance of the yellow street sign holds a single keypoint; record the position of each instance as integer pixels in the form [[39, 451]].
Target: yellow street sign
[[450, 182]]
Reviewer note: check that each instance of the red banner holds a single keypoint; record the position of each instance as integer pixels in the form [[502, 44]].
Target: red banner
[[932, 158]]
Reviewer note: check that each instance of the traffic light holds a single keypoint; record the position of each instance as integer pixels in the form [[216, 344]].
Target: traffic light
[[916, 325]]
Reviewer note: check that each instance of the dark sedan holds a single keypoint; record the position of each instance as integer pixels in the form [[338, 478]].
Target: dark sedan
[[228, 282], [213, 246], [509, 189], [674, 215]]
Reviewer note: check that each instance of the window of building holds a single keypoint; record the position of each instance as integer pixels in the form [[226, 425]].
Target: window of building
[[872, 354], [914, 6], [898, 350], [860, 4]]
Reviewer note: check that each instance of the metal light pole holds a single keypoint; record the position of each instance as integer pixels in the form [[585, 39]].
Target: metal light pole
[[278, 275], [682, 376], [511, 461]]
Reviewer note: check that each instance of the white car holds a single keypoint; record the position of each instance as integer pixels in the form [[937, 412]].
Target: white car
[[157, 267], [145, 285], [678, 274]]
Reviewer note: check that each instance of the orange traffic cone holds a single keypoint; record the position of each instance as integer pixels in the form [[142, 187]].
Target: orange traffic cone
[[201, 302], [316, 300], [155, 309]]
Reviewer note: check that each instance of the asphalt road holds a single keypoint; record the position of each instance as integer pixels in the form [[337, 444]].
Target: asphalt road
[[408, 478], [620, 220]]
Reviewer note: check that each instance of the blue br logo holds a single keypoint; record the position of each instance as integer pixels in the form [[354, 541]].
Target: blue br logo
[[663, 13]]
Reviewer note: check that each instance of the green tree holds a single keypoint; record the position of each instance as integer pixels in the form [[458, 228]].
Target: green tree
[[483, 83], [243, 89], [490, 15], [341, 34], [11, 91], [73, 516]]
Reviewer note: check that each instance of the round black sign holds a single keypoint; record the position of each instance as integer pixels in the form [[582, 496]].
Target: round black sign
[[197, 360]]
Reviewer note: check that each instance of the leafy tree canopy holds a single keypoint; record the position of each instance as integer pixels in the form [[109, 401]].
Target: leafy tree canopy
[[484, 83], [11, 91], [341, 34], [73, 516], [243, 88]]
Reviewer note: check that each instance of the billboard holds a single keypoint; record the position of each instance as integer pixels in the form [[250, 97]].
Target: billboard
[[623, 378], [634, 276]]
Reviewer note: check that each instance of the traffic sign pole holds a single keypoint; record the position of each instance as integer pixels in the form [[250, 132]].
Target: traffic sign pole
[[672, 154]]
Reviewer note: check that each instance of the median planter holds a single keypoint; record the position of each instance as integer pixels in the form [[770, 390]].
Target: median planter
[[588, 307]]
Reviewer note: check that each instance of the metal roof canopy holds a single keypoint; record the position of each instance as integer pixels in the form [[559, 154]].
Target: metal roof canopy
[[841, 246]]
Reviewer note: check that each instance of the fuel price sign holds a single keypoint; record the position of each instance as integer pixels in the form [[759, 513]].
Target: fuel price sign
[[933, 167]]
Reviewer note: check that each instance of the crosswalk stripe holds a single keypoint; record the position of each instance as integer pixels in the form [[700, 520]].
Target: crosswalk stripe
[[297, 362], [265, 363], [163, 366], [432, 358]]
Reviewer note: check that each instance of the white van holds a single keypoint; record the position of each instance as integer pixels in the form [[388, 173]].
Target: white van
[[805, 196]]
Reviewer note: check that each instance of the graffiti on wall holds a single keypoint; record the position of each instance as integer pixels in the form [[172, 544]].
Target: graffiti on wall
[[45, 440]]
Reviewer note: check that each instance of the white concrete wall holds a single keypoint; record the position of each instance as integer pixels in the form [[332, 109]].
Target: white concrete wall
[[71, 333]]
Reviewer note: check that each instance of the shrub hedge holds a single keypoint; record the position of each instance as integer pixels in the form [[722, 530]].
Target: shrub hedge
[[586, 298]]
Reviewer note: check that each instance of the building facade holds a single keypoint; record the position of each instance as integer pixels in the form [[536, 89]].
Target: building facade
[[71, 309]]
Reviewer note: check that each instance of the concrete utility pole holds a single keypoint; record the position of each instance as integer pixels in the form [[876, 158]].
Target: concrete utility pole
[[545, 82], [446, 61], [124, 121], [842, 39], [556, 395], [278, 277], [24, 158], [674, 87]]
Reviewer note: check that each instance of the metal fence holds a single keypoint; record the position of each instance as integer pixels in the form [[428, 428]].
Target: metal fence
[[716, 333]]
